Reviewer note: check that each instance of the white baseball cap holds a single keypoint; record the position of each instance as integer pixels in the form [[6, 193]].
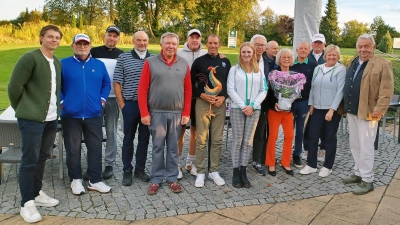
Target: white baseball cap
[[194, 31], [318, 37]]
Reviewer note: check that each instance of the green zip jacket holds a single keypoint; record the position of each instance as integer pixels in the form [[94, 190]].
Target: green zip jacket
[[29, 89]]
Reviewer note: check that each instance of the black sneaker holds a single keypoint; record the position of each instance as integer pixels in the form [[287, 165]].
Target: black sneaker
[[127, 179], [259, 169], [142, 175], [108, 172], [85, 176], [297, 161]]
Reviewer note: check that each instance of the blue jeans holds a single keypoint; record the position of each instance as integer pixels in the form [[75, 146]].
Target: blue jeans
[[132, 119], [300, 110], [92, 132], [37, 142], [319, 126]]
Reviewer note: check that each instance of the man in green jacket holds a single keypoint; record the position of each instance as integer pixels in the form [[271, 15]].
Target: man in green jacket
[[34, 93]]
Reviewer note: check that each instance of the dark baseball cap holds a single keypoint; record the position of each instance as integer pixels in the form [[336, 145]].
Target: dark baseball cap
[[113, 28]]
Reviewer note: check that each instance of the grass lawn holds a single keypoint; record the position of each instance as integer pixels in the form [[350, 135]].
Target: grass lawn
[[9, 54]]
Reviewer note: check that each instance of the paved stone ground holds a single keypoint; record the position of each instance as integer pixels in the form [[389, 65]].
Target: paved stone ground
[[133, 203]]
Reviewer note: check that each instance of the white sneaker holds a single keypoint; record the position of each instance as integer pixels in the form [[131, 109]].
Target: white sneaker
[[321, 155], [100, 187], [324, 172], [216, 178], [180, 174], [77, 187], [305, 154], [30, 213], [191, 167], [307, 170], [199, 180], [44, 200]]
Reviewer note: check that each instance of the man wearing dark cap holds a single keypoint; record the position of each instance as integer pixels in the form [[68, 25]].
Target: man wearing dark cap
[[85, 87], [108, 54]]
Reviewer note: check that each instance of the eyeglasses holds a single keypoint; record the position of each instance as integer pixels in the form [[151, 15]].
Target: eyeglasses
[[80, 44], [260, 45]]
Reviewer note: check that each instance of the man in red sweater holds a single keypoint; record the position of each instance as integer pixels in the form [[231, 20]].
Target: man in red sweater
[[165, 93]]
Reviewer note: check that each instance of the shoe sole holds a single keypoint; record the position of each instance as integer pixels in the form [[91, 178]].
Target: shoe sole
[[363, 193], [351, 182], [237, 185], [299, 166], [31, 221], [308, 173], [144, 180], [94, 189], [199, 186], [108, 177], [45, 205], [82, 192]]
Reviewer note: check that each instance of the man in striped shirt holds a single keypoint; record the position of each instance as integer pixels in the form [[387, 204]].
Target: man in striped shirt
[[126, 80]]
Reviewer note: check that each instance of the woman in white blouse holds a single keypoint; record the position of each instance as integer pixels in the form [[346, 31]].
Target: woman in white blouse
[[247, 88]]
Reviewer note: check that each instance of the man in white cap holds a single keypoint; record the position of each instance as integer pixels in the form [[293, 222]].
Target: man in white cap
[[316, 56], [85, 87], [192, 49], [317, 52]]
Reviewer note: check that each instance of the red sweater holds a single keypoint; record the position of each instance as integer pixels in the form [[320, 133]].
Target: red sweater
[[144, 85]]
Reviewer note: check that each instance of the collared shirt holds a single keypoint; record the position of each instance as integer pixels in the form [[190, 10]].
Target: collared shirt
[[297, 61], [317, 56], [261, 64]]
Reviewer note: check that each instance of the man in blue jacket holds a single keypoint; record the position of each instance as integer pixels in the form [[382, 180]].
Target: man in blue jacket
[[85, 89]]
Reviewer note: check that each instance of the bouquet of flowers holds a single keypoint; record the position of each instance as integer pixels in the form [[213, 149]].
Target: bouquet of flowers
[[287, 87]]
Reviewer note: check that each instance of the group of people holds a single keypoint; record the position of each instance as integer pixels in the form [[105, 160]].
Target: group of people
[[159, 95]]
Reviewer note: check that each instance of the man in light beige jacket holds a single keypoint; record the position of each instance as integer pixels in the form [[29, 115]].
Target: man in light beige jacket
[[367, 93]]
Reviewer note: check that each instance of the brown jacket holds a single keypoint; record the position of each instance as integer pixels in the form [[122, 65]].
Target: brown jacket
[[377, 87]]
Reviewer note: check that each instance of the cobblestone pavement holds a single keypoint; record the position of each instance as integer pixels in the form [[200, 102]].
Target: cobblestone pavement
[[133, 203]]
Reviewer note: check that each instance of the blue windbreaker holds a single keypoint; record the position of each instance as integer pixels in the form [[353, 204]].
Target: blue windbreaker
[[83, 85]]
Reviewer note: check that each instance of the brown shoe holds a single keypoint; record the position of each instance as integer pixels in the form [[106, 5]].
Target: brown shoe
[[175, 187], [153, 189]]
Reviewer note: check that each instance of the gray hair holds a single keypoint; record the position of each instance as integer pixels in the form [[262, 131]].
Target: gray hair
[[284, 51], [169, 34], [256, 37], [366, 36]]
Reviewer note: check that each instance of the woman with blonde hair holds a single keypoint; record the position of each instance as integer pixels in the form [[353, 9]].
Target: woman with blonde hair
[[325, 96], [247, 88]]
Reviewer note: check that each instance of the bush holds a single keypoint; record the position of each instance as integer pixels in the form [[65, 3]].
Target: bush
[[386, 44]]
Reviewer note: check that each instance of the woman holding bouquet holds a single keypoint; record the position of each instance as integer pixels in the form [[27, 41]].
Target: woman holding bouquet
[[325, 96], [247, 88], [286, 86]]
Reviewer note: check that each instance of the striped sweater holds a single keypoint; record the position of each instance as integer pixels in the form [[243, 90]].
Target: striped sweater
[[127, 73]]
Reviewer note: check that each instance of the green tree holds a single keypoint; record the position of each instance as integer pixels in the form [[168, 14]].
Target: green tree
[[80, 21], [351, 31], [45, 14], [379, 29], [329, 23], [73, 20], [386, 43]]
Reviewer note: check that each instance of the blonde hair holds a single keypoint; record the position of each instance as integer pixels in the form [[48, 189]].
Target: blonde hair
[[284, 51], [332, 47], [253, 62]]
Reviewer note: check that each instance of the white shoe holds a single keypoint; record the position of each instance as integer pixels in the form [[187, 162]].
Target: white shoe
[[99, 186], [307, 170], [77, 187], [180, 174], [324, 172], [321, 155], [216, 178], [191, 167], [305, 154], [199, 180], [30, 213], [44, 200]]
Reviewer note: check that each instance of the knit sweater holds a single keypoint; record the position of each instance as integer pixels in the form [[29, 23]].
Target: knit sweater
[[29, 89], [165, 86]]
